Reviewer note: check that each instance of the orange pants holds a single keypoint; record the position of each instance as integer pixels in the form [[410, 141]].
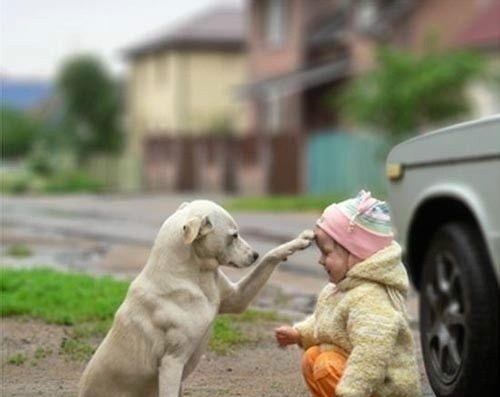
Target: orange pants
[[322, 370]]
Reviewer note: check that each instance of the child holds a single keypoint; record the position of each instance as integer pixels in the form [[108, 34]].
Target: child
[[358, 341]]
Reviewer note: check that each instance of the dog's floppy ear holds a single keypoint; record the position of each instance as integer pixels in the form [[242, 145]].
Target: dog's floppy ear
[[196, 227], [184, 204]]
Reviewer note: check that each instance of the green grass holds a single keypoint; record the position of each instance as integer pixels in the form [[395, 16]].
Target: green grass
[[88, 304], [255, 316], [26, 181], [76, 349], [41, 352], [19, 251], [226, 336], [16, 359], [60, 298], [283, 203]]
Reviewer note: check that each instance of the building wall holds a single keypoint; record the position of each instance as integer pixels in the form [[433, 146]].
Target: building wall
[[210, 80], [176, 92], [266, 60], [180, 92]]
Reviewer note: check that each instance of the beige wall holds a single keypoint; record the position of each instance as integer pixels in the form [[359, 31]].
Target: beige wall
[[180, 92], [210, 81]]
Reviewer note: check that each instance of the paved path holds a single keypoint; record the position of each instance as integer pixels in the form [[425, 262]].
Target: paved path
[[135, 221]]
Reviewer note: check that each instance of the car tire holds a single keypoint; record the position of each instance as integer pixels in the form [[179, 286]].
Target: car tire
[[459, 314]]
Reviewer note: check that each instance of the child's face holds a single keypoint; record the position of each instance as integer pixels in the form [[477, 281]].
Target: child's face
[[334, 258]]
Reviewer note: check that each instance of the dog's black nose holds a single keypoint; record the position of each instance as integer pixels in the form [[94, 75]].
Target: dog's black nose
[[255, 255]]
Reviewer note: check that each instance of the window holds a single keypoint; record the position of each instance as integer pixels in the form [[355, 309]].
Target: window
[[274, 22], [273, 109], [366, 15]]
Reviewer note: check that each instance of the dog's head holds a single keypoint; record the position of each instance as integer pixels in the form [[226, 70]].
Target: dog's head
[[213, 235]]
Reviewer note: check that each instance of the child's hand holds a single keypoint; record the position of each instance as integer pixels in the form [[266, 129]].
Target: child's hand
[[286, 335]]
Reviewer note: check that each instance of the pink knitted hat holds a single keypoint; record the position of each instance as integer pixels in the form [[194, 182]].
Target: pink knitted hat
[[362, 225]]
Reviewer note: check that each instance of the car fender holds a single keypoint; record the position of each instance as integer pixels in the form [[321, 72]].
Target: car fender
[[461, 192]]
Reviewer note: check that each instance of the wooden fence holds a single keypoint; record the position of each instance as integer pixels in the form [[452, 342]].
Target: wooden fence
[[253, 164], [319, 163]]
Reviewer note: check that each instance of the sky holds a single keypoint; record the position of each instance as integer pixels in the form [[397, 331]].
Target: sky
[[35, 35]]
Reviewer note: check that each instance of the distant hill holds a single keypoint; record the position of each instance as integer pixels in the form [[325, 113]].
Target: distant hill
[[24, 94]]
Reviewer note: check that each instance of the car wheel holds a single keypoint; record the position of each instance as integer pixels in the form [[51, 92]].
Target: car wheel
[[459, 314]]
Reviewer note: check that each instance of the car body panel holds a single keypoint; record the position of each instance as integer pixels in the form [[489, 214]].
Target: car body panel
[[462, 142], [460, 162]]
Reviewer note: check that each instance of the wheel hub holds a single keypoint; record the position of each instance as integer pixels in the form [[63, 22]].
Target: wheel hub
[[445, 320]]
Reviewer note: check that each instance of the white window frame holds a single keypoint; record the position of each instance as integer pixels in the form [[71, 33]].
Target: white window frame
[[274, 109], [366, 15], [275, 22]]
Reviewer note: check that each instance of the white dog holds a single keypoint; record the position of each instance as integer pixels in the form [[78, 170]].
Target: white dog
[[163, 326]]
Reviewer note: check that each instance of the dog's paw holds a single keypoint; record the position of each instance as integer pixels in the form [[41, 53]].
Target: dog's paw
[[282, 252], [298, 244], [306, 235]]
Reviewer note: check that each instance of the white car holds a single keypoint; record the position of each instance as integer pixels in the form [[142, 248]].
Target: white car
[[444, 192]]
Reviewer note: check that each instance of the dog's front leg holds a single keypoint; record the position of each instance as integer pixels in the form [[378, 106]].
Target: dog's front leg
[[170, 376], [238, 296]]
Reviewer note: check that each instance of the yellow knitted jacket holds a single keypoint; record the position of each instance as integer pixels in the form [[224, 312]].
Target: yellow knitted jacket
[[365, 315]]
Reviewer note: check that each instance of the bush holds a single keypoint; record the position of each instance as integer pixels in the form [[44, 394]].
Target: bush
[[18, 132], [41, 161], [72, 181], [15, 182], [25, 181], [92, 105], [407, 92]]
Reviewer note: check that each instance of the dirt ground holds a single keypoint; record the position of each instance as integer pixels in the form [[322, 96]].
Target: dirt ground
[[256, 369]]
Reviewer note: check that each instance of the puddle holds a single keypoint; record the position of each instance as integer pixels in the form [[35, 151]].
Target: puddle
[[57, 257]]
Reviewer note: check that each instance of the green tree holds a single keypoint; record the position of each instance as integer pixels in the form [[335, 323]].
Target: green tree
[[18, 132], [92, 105], [407, 91]]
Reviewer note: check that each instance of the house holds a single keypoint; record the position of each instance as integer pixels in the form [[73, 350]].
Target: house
[[301, 54], [181, 83], [301, 51]]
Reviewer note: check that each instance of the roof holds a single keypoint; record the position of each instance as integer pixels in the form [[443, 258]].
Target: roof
[[297, 81], [220, 27], [484, 30]]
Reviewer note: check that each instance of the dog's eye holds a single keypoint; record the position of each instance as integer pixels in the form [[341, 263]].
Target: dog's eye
[[235, 235]]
